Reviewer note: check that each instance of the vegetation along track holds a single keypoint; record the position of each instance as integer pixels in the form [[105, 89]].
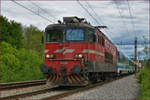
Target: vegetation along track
[[15, 85], [62, 94]]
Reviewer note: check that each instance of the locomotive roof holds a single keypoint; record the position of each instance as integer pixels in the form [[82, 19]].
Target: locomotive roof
[[73, 25]]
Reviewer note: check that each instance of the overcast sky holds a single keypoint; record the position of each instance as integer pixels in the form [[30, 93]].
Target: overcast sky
[[113, 14]]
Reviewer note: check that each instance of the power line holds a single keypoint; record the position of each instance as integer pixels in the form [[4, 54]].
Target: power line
[[88, 12], [94, 12], [32, 11], [135, 52], [131, 17], [93, 16], [99, 19], [121, 16], [42, 9]]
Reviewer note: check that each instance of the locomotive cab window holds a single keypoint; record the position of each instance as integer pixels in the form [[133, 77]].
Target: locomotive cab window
[[91, 36], [74, 35], [54, 35]]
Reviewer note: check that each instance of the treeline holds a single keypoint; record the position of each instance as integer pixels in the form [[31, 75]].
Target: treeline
[[21, 51]]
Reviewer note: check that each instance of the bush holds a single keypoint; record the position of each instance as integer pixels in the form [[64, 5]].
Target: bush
[[143, 79], [11, 32], [19, 64]]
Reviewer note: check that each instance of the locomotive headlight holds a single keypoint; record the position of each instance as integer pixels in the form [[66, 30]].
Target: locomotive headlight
[[49, 56], [78, 56]]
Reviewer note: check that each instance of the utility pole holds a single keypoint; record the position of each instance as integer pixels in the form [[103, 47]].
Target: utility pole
[[149, 48], [135, 55], [149, 54]]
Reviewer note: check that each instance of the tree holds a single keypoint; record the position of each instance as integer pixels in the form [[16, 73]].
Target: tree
[[19, 64], [145, 50], [32, 38], [11, 32]]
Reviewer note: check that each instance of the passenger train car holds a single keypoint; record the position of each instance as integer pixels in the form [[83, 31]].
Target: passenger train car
[[77, 53], [124, 64]]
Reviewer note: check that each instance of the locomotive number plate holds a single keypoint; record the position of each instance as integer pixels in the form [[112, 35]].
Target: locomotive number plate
[[63, 62]]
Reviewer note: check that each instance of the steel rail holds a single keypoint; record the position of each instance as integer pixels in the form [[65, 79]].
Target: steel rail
[[15, 85], [27, 94]]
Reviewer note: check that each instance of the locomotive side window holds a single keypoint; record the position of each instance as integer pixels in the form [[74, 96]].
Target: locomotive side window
[[75, 34], [103, 41], [91, 36], [108, 57], [54, 35], [118, 57], [99, 39]]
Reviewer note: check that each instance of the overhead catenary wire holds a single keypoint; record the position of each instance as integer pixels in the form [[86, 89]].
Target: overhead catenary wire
[[120, 13], [121, 16], [32, 11], [97, 21], [131, 16], [42, 9], [100, 21], [123, 22], [94, 12], [88, 12]]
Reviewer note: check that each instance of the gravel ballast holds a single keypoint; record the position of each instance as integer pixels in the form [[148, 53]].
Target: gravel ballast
[[125, 88]]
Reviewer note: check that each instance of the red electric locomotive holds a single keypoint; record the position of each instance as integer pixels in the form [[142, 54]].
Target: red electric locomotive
[[77, 53]]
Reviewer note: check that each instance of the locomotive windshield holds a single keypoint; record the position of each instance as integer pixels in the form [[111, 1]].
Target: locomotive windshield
[[74, 35], [54, 35], [70, 34]]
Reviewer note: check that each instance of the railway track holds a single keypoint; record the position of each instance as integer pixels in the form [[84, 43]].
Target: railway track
[[15, 85], [91, 86], [60, 94]]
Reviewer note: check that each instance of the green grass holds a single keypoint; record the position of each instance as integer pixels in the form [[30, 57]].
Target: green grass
[[143, 79]]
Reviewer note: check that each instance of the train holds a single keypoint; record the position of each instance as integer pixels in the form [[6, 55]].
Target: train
[[77, 53], [124, 64]]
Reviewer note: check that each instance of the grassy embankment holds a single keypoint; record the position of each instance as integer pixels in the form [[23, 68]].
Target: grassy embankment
[[144, 80]]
